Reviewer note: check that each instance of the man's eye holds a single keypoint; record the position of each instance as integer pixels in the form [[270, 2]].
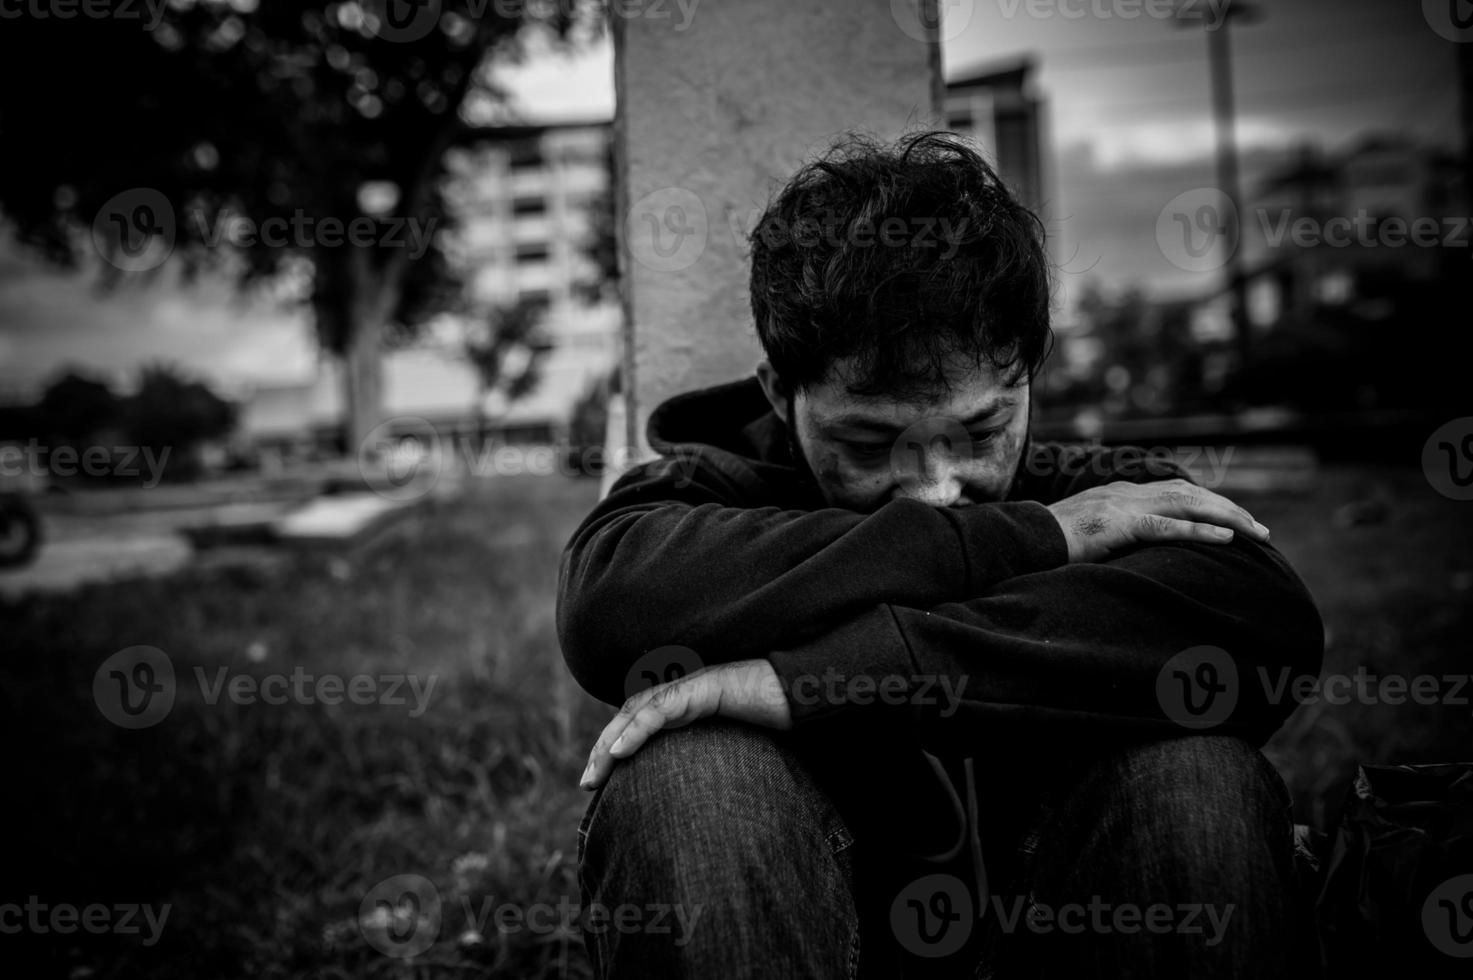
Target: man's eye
[[869, 450]]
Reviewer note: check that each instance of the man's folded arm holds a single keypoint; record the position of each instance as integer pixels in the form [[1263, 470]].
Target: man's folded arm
[[1080, 647], [670, 558]]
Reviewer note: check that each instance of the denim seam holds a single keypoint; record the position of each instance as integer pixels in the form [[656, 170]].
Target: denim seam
[[838, 839]]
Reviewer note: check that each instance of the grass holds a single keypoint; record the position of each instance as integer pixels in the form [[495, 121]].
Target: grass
[[265, 826]]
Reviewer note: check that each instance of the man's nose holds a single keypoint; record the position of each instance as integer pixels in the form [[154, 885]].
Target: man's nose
[[934, 478]]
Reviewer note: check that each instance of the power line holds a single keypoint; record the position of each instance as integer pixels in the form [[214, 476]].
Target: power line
[[1258, 51], [1336, 89]]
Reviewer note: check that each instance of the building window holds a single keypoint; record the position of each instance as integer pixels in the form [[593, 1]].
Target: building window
[[533, 252], [525, 155], [530, 205]]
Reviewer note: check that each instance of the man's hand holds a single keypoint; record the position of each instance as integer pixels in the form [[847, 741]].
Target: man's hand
[[1104, 519], [747, 690]]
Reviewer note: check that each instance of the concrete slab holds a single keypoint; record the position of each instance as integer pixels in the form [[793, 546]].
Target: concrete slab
[[347, 520], [69, 563]]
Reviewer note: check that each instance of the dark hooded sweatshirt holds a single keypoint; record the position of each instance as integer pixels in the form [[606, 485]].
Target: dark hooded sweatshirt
[[725, 546]]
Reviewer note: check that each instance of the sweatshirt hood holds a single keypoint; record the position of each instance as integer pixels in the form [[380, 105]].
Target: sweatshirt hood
[[733, 428]]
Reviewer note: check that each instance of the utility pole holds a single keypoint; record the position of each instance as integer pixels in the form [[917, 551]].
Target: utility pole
[[1465, 106], [1219, 55]]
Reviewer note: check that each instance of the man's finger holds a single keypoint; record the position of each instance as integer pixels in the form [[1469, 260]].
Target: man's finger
[[600, 762], [1203, 505], [1154, 527]]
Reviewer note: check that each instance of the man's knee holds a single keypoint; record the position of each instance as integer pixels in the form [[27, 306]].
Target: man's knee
[[1198, 802], [1199, 782], [701, 800], [721, 824]]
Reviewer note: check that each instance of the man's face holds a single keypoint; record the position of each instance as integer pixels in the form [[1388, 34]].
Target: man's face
[[960, 447]]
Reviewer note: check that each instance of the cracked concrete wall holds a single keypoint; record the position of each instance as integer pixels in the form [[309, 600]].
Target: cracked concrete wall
[[718, 103]]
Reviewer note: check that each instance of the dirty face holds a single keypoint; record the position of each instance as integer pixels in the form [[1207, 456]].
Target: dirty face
[[959, 447]]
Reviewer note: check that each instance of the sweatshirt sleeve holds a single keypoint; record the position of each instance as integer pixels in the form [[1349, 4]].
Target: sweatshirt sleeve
[[1081, 647], [673, 557]]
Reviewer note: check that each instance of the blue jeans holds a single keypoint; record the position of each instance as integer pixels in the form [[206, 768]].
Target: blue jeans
[[1170, 859]]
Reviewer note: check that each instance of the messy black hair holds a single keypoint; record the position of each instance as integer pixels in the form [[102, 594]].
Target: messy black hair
[[894, 259]]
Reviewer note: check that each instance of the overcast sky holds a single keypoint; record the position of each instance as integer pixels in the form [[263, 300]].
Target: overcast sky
[[1129, 127]]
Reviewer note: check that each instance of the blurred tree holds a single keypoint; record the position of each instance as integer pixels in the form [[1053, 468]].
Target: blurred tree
[[1149, 364], [254, 138], [170, 411], [601, 244], [588, 426], [74, 408], [507, 348]]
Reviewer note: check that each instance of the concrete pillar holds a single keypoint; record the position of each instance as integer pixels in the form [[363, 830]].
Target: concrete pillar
[[718, 103]]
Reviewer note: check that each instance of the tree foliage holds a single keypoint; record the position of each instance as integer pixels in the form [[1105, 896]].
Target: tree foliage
[[251, 138]]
